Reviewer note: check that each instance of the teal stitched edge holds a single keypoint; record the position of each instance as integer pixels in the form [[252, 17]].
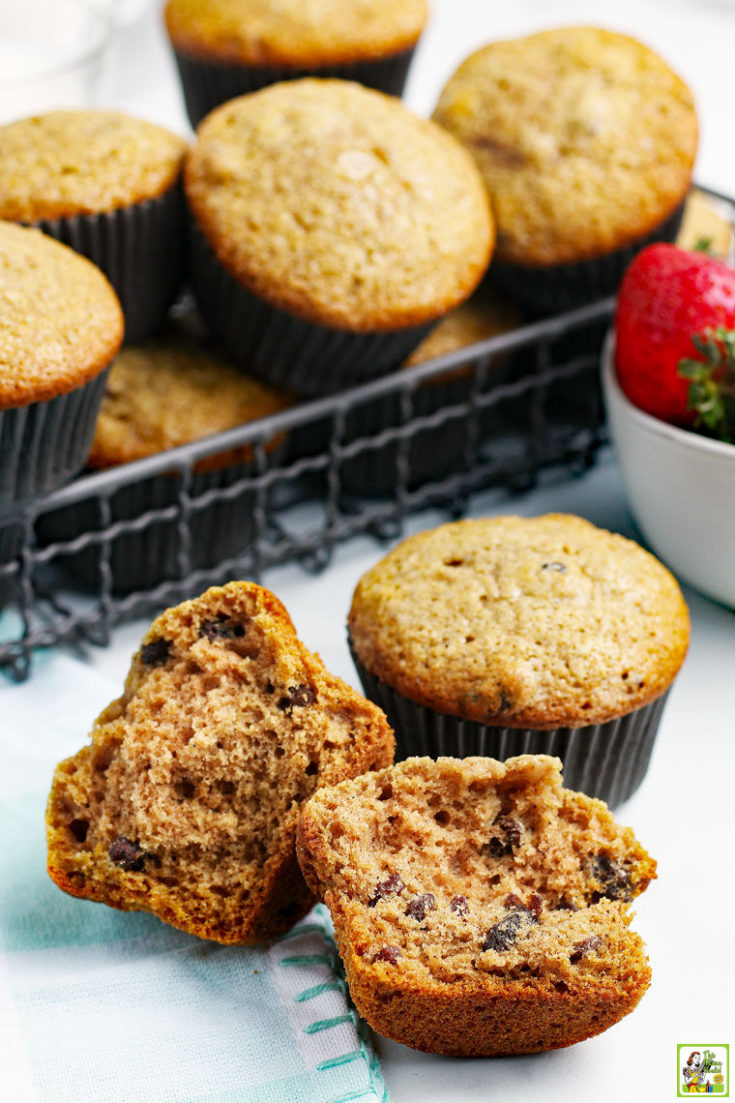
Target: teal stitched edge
[[366, 1049]]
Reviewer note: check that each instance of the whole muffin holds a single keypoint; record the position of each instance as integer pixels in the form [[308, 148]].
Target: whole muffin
[[586, 140], [108, 185], [60, 328], [332, 228], [225, 48], [510, 635], [160, 394]]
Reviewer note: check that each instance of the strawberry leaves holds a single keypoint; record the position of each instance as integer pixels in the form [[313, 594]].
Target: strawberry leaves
[[711, 391]]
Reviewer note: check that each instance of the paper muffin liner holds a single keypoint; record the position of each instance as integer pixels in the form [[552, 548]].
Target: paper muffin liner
[[207, 84], [141, 559], [566, 286], [607, 761], [44, 444], [141, 250], [284, 351]]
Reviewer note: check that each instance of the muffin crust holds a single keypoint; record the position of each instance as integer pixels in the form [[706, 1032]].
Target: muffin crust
[[65, 163], [60, 320], [586, 140], [334, 203], [522, 622], [294, 32]]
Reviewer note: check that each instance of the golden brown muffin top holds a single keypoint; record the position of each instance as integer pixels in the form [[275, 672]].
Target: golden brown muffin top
[[60, 320], [65, 163], [170, 391], [333, 202], [522, 622], [295, 32], [586, 140], [486, 314]]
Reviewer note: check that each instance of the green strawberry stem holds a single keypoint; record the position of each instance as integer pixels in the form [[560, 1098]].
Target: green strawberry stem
[[712, 382]]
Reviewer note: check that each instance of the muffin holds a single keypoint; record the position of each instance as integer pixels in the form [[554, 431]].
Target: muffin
[[166, 392], [185, 803], [108, 185], [435, 449], [586, 140], [480, 909], [331, 229], [509, 635], [225, 48], [60, 328]]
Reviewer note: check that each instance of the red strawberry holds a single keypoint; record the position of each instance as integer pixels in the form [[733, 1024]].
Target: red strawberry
[[668, 296]]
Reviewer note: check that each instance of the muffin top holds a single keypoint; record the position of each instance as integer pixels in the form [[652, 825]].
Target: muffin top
[[172, 390], [586, 140], [60, 321], [65, 163], [522, 622], [333, 202], [486, 314], [294, 32]]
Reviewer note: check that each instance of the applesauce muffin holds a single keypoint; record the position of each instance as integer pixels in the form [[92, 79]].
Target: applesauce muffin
[[480, 909], [507, 635], [186, 800], [225, 48], [586, 140], [331, 228], [60, 328], [108, 185], [168, 391]]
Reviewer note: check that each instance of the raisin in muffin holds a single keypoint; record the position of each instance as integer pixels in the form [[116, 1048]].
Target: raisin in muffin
[[508, 635], [108, 185], [586, 140], [185, 802], [225, 48], [480, 909], [60, 329], [332, 228]]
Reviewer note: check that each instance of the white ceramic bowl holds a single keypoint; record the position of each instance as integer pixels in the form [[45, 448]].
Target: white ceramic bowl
[[681, 490]]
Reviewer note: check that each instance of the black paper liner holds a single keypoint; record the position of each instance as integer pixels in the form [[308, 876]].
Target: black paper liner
[[141, 250], [607, 761], [206, 84], [284, 351], [141, 559], [566, 286], [44, 444]]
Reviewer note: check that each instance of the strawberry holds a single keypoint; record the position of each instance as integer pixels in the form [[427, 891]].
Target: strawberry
[[675, 305]]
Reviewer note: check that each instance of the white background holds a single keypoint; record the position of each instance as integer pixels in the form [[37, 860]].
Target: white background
[[683, 811]]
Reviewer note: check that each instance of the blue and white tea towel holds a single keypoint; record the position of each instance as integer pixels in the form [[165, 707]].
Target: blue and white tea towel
[[99, 1006]]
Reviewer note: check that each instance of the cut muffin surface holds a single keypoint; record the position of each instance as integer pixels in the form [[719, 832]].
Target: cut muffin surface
[[479, 907], [186, 801]]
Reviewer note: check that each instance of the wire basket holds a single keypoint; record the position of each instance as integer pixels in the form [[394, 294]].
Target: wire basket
[[131, 540]]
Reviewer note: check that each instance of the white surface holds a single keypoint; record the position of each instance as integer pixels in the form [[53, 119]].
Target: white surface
[[683, 810], [667, 470]]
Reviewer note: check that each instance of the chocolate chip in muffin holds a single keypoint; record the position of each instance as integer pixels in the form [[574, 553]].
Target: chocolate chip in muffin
[[418, 907], [612, 877], [582, 949], [126, 854], [391, 954], [392, 886], [221, 628], [156, 653]]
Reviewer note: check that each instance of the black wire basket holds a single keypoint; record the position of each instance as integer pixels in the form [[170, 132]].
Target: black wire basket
[[131, 540]]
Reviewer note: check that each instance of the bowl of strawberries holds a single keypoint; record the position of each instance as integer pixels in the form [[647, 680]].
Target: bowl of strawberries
[[668, 376]]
